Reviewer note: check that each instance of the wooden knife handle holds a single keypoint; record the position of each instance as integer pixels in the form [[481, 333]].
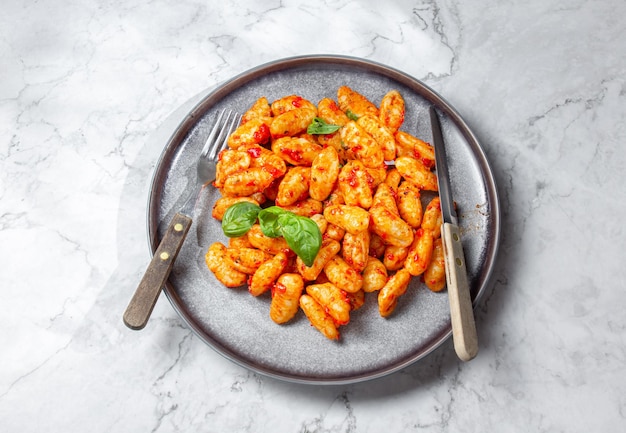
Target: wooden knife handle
[[145, 297], [461, 310]]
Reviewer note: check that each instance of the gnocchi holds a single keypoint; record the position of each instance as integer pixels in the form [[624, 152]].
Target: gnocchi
[[334, 300], [285, 297], [216, 261], [319, 318], [376, 235], [324, 173], [391, 113], [355, 184]]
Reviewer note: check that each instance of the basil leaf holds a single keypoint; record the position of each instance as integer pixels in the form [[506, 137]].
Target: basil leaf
[[320, 127], [302, 235], [351, 115], [239, 218], [268, 219]]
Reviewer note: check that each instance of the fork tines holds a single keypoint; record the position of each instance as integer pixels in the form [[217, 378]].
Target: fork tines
[[227, 121]]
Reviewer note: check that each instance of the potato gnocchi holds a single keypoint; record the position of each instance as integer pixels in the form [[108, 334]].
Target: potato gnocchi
[[362, 184]]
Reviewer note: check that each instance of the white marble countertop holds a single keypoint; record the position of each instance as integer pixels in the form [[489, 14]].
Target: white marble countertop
[[84, 86]]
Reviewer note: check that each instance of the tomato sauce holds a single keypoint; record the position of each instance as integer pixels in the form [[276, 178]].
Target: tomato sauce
[[297, 102], [254, 152], [262, 134], [276, 173], [278, 288], [295, 155], [352, 179]]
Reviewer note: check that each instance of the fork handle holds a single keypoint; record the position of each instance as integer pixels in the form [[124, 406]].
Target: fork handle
[[145, 297]]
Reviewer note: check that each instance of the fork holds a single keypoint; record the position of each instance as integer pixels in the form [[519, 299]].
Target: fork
[[145, 297]]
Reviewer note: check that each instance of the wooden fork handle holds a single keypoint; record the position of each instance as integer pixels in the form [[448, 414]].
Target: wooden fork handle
[[145, 297]]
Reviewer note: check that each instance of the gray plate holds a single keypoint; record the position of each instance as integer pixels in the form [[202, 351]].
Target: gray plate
[[236, 324]]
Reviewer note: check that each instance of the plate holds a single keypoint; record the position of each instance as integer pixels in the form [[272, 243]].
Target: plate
[[236, 324]]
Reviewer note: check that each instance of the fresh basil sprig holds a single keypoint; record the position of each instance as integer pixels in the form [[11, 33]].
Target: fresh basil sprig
[[319, 127], [301, 233], [268, 220], [239, 218], [351, 115]]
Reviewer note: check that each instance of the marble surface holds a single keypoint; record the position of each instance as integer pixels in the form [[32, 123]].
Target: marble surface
[[85, 87]]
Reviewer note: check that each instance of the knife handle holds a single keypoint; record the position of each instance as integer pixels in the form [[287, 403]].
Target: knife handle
[[461, 310], [145, 297]]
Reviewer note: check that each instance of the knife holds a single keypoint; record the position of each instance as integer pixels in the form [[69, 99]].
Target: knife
[[461, 310]]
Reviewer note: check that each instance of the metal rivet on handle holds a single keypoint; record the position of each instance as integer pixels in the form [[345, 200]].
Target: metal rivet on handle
[[178, 227], [164, 256]]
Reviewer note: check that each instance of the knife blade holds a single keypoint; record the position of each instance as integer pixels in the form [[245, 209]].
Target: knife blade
[[461, 311]]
